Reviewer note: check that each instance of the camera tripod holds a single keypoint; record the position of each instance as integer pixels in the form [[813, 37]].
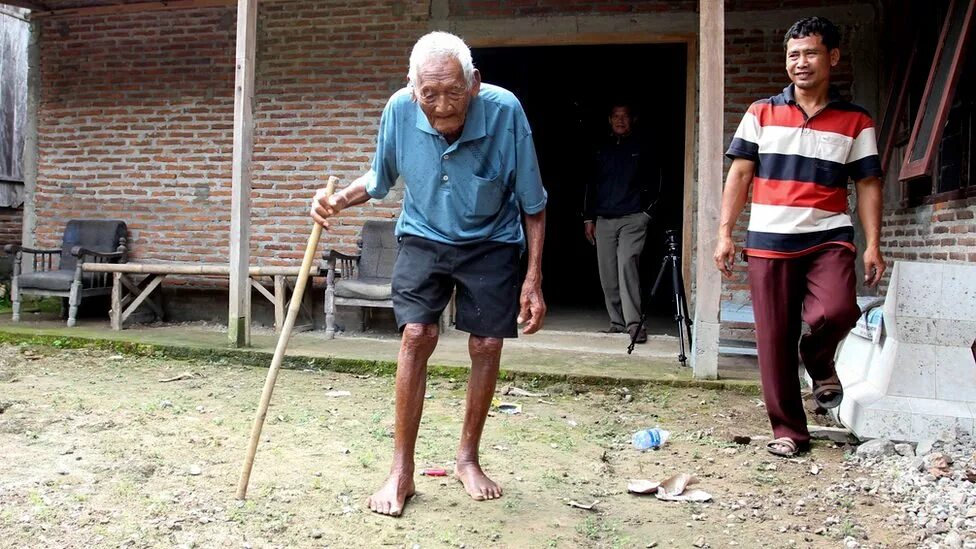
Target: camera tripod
[[671, 260]]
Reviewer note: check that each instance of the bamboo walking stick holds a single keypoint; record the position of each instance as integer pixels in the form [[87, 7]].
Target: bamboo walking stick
[[279, 354]]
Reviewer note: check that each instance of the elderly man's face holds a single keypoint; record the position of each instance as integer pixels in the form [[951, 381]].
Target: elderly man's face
[[444, 96]]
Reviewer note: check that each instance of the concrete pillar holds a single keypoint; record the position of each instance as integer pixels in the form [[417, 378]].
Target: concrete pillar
[[28, 237], [711, 98]]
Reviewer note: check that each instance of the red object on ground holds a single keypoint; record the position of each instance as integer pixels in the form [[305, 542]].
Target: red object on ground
[[434, 472]]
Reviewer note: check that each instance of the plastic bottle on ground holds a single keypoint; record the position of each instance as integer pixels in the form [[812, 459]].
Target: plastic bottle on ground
[[646, 439]]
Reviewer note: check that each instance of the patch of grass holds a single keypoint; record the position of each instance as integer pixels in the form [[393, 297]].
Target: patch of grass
[[242, 513], [765, 479], [125, 488], [551, 478], [595, 529], [367, 460]]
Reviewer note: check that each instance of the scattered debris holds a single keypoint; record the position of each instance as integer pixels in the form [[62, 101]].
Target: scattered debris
[[741, 439], [509, 408], [515, 391], [181, 377], [643, 486], [590, 507], [939, 465], [675, 488], [434, 472], [840, 435], [815, 469], [195, 470], [879, 447], [338, 393]]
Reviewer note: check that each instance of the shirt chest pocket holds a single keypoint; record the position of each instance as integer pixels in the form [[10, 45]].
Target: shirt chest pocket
[[481, 197], [831, 156]]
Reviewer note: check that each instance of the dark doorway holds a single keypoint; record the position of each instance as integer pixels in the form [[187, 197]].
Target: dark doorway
[[567, 92]]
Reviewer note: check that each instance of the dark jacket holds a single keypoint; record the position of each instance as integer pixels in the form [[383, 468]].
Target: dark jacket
[[624, 180]]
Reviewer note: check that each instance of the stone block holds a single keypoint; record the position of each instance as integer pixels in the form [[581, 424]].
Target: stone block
[[913, 371], [958, 299], [918, 289], [955, 375], [920, 382]]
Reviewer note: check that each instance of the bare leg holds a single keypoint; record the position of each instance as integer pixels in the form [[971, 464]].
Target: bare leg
[[485, 354], [416, 346]]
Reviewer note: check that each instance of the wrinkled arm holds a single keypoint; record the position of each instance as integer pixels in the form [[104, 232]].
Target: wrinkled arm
[[532, 310], [324, 207]]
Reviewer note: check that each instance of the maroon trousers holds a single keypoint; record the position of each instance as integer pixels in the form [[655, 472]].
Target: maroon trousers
[[819, 289]]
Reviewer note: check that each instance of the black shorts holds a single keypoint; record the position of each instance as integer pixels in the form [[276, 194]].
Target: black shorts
[[486, 275]]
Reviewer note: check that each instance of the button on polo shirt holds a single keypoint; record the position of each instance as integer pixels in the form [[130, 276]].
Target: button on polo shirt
[[472, 190]]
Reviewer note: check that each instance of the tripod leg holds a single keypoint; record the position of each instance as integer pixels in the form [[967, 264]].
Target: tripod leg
[[684, 305], [657, 281], [680, 310]]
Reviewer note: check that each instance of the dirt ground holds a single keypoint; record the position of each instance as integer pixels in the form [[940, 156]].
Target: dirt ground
[[96, 451]]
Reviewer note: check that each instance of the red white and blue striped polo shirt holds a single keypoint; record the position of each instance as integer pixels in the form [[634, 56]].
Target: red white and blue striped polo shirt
[[803, 165]]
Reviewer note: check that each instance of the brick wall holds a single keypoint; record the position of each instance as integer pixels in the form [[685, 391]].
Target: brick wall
[[136, 123], [146, 135], [136, 113], [939, 232], [11, 224]]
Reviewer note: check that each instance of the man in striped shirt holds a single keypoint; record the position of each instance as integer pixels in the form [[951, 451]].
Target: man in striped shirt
[[798, 150]]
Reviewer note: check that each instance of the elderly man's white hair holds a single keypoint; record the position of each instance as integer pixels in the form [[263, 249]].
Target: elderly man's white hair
[[438, 45]]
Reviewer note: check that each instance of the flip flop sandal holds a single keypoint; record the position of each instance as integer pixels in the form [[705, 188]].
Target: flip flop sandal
[[776, 447], [828, 395]]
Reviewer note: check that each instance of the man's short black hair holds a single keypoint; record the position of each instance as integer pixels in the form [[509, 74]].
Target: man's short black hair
[[808, 26], [621, 105]]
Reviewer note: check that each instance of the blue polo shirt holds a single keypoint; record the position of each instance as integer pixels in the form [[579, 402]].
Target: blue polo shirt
[[472, 190]]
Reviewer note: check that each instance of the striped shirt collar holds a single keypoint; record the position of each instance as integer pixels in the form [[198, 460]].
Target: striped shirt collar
[[833, 96]]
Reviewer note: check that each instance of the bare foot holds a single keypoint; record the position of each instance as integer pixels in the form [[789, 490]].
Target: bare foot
[[390, 499], [476, 483]]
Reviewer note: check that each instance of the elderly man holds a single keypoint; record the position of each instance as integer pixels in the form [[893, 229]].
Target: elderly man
[[465, 152], [798, 150]]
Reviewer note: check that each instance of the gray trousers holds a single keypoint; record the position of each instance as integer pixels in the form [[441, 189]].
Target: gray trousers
[[619, 242]]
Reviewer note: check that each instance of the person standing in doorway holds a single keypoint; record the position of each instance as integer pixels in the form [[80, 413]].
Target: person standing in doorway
[[798, 150], [616, 213]]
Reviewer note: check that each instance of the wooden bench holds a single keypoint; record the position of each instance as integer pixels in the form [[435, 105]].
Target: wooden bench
[[139, 291]]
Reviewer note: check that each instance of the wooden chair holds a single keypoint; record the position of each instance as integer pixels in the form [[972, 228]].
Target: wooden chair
[[84, 240], [362, 280]]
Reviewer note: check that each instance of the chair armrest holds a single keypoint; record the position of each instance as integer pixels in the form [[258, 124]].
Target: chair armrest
[[14, 248], [337, 255], [79, 252]]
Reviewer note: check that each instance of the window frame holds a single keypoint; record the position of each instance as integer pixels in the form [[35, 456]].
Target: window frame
[[924, 166]]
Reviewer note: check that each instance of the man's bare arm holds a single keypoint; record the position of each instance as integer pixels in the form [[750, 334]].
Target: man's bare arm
[[324, 207], [733, 200], [870, 203], [532, 306]]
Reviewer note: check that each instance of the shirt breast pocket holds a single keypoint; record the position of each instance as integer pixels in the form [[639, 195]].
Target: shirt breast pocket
[[482, 197], [831, 156]]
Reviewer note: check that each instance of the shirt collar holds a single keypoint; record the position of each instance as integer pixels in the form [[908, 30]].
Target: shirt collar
[[833, 95], [474, 121]]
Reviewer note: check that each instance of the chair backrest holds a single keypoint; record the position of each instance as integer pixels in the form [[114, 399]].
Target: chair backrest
[[100, 235], [379, 249]]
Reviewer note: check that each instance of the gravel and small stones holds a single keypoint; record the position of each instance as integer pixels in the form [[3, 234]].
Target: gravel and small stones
[[932, 484]]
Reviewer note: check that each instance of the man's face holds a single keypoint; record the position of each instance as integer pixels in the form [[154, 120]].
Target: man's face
[[620, 121], [808, 62], [444, 96]]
